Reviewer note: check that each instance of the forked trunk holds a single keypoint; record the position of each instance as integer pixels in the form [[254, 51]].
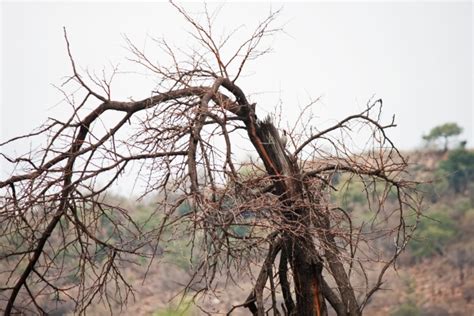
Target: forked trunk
[[301, 253], [307, 275]]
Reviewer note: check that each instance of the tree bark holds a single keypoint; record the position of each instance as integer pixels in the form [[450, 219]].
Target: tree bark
[[307, 269], [304, 260]]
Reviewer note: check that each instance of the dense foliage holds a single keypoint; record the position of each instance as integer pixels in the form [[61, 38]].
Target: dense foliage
[[459, 169]]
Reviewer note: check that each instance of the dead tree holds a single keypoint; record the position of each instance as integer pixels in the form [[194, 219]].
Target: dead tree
[[312, 252]]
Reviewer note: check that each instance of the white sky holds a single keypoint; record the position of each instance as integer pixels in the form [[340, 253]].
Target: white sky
[[416, 56]]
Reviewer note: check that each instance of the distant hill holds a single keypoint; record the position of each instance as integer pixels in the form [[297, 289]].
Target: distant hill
[[434, 276]]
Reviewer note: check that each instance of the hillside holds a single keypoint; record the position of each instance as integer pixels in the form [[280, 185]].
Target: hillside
[[434, 276]]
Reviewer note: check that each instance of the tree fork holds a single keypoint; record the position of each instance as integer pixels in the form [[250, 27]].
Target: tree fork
[[305, 263]]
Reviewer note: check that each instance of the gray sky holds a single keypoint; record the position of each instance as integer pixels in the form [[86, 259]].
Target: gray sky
[[416, 56]]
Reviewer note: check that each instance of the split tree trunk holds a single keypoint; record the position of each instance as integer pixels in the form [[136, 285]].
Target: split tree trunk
[[307, 272], [300, 251]]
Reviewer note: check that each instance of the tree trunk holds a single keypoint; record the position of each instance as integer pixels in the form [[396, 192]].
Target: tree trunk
[[307, 274], [303, 258]]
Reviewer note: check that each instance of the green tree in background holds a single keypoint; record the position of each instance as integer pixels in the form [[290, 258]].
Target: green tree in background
[[444, 132], [459, 169]]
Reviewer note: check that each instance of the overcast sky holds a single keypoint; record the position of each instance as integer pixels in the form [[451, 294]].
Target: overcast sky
[[416, 56]]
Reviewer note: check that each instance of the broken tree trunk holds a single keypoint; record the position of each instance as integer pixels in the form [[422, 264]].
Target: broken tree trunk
[[299, 248]]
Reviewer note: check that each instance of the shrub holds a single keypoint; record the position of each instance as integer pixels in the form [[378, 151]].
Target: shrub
[[432, 235], [459, 169], [408, 308], [350, 192], [183, 309]]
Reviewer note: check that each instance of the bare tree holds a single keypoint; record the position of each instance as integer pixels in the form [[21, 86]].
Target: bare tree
[[310, 250]]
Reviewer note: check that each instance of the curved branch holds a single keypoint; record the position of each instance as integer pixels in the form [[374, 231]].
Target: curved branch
[[341, 124]]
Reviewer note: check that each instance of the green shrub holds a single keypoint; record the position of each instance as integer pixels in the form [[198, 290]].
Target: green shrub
[[350, 192], [462, 205], [183, 309], [433, 191], [241, 230], [432, 235], [184, 208], [171, 312], [408, 308], [459, 169], [177, 252]]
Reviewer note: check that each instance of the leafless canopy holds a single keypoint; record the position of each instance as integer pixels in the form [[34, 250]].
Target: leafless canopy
[[61, 237]]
